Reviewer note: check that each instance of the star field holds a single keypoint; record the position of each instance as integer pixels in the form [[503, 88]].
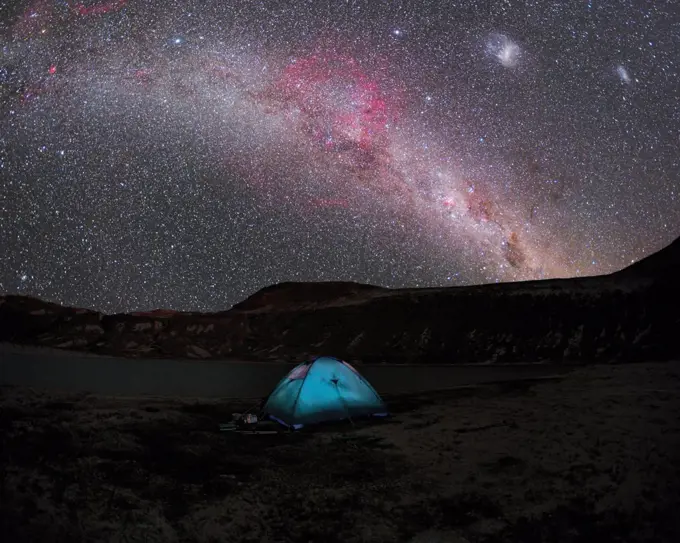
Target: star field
[[186, 154]]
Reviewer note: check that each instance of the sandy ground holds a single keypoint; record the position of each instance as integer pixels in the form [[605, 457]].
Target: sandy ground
[[592, 456]]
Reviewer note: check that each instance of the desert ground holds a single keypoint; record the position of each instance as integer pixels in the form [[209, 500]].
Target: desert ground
[[590, 456]]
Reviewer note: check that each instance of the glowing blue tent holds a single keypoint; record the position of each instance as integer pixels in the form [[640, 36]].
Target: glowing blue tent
[[325, 389]]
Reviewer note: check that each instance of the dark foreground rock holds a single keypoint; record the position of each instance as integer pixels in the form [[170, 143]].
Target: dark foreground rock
[[592, 457], [627, 316]]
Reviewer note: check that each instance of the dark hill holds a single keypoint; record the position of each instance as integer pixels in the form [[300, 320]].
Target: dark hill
[[286, 296], [663, 265], [629, 315]]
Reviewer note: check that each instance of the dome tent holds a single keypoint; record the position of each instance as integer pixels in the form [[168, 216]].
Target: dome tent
[[325, 389]]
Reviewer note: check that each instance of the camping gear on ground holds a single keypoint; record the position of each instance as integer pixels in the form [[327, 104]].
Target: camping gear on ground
[[325, 389], [248, 423], [249, 418], [252, 429]]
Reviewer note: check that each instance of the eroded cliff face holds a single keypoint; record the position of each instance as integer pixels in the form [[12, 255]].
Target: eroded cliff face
[[627, 316]]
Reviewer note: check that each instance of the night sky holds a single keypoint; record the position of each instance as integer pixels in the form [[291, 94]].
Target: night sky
[[186, 154]]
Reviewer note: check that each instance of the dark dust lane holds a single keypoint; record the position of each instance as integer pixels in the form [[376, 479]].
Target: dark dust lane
[[73, 372]]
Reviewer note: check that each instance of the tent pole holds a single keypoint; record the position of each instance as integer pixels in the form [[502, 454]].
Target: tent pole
[[343, 402]]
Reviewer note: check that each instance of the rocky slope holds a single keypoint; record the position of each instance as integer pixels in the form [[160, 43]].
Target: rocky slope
[[629, 315]]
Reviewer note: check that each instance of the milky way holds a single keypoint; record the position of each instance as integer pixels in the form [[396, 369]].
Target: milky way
[[186, 154]]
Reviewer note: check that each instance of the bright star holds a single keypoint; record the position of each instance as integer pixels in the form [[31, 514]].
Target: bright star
[[398, 34]]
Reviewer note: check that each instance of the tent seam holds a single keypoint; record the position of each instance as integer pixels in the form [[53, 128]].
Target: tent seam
[[302, 385], [344, 403]]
